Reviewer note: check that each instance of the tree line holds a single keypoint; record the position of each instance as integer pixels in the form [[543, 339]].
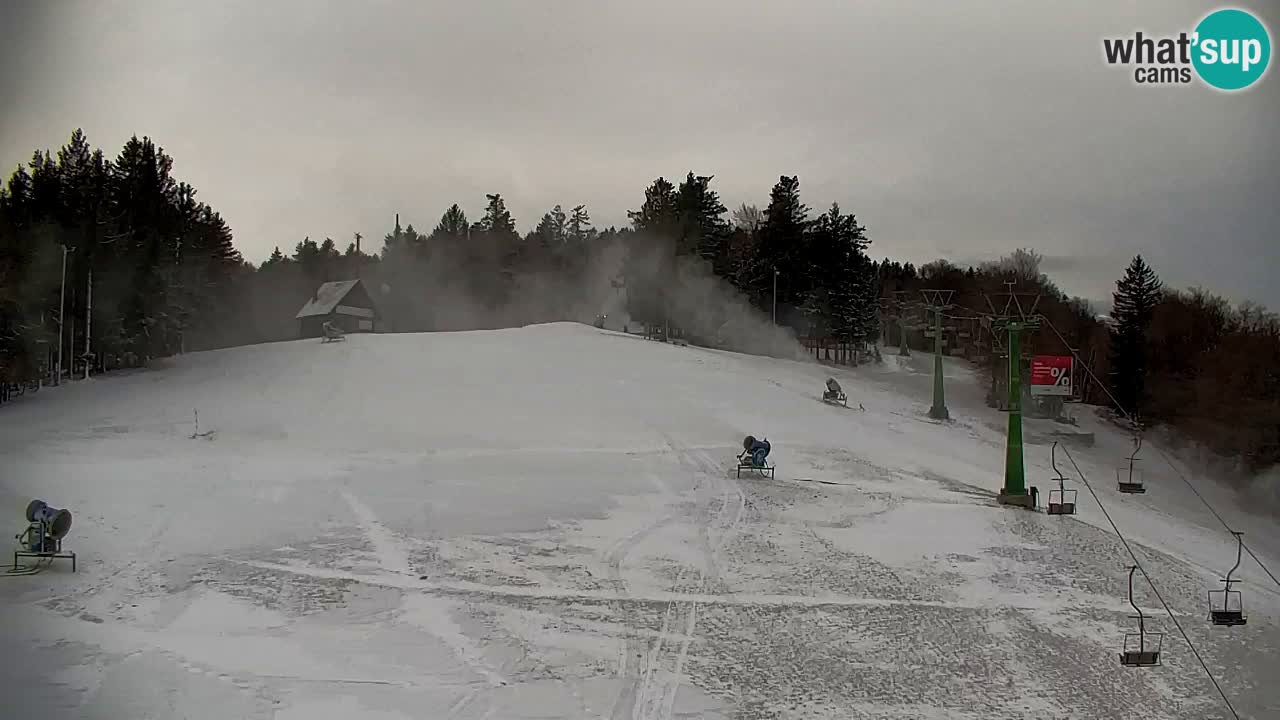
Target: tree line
[[1185, 359], [105, 262], [150, 271]]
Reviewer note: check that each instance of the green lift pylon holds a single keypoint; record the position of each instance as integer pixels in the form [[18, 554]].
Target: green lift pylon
[[939, 409], [937, 301], [1014, 319], [899, 315], [1015, 479]]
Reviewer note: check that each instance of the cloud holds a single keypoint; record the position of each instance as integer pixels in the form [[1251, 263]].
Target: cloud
[[961, 131]]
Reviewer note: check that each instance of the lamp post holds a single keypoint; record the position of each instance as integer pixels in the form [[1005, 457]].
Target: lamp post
[[773, 336], [88, 322], [62, 304], [775, 297]]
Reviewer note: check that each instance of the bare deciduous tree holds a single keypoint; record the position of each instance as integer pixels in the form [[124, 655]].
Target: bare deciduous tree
[[748, 217]]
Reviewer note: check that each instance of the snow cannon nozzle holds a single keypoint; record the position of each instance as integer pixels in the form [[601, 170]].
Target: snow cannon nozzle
[[57, 522], [756, 448]]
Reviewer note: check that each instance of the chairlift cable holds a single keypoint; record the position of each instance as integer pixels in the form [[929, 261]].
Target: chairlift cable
[[1247, 549], [1150, 582], [1264, 567], [1168, 461]]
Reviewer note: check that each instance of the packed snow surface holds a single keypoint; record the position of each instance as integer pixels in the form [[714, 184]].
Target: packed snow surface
[[546, 523]]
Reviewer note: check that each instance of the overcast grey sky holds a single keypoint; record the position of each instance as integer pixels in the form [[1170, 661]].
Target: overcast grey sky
[[955, 129]]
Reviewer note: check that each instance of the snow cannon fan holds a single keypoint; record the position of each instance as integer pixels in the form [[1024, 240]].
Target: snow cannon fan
[[43, 537], [57, 523]]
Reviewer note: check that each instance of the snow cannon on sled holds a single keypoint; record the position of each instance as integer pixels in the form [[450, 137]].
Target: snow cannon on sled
[[834, 395], [332, 333], [753, 457], [42, 539]]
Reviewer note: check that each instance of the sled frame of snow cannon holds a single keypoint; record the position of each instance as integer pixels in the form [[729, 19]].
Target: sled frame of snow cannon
[[1061, 501], [1226, 606], [1141, 649], [1129, 479], [747, 459], [746, 463]]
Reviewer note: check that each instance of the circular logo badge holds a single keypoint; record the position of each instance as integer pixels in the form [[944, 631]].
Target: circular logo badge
[[1232, 49]]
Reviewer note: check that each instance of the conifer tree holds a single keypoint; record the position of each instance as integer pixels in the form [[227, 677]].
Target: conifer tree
[[700, 214], [492, 253], [782, 238], [453, 224], [650, 263], [1135, 300], [579, 228]]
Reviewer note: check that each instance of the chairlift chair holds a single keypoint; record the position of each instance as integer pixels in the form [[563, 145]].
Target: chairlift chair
[[1141, 649], [1129, 479], [1226, 606], [1061, 501]]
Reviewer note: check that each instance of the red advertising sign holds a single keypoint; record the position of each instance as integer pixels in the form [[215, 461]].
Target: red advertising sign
[[1051, 375]]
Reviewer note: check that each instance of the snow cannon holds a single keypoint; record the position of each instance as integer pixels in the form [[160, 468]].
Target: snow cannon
[[47, 526], [332, 332], [834, 394], [753, 456]]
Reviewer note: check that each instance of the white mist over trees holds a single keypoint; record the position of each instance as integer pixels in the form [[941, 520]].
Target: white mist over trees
[[152, 271]]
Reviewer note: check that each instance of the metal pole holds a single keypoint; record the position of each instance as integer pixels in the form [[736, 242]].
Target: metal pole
[[62, 303], [773, 336], [88, 318]]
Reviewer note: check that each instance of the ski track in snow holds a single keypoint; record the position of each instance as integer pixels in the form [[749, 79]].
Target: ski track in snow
[[432, 615], [391, 555], [496, 592], [425, 612], [726, 521], [653, 696], [631, 648]]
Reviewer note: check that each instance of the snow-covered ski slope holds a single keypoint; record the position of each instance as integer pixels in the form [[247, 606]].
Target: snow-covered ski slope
[[544, 522]]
